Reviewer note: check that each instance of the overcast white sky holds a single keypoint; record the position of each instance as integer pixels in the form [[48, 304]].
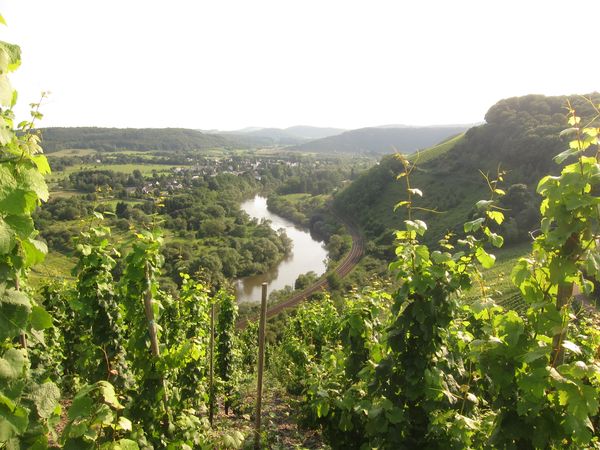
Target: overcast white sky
[[229, 64]]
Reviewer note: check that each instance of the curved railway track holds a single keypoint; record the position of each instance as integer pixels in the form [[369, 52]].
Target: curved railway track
[[342, 269]]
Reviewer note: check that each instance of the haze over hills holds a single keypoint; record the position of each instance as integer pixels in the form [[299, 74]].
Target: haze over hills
[[281, 136], [378, 141], [298, 138]]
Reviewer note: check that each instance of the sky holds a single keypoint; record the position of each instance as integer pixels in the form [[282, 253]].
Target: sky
[[229, 64]]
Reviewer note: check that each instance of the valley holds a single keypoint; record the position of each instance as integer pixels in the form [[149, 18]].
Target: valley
[[418, 300], [299, 225]]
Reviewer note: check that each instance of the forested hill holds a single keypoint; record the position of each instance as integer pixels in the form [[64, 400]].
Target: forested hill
[[131, 139], [521, 136], [380, 141]]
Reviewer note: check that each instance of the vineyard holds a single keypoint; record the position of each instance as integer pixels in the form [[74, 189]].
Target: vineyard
[[110, 360]]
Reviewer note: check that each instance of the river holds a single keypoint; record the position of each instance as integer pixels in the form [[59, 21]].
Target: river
[[307, 254]]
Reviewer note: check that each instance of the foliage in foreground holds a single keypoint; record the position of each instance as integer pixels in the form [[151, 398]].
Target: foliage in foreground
[[134, 357], [436, 371]]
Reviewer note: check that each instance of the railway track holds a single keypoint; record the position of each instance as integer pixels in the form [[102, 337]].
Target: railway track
[[342, 269]]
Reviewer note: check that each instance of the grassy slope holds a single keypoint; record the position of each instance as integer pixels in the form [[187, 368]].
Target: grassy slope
[[371, 199], [421, 157], [498, 277]]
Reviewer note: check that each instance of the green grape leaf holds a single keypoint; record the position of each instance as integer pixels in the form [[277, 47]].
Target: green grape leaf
[[6, 134], [416, 225], [35, 251], [496, 240], [108, 394], [40, 318], [592, 264], [7, 237], [82, 405], [568, 131], [12, 364], [13, 424], [562, 156], [124, 424], [439, 257], [496, 216], [422, 254], [533, 355], [510, 327], [8, 182], [127, 444], [6, 91], [395, 415], [4, 60], [18, 202], [14, 312], [484, 204], [41, 162], [14, 55], [571, 346], [485, 259], [45, 397], [474, 225], [34, 181], [103, 416], [22, 225]]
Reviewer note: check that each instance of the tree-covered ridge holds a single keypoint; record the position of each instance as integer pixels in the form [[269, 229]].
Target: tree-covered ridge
[[521, 137], [143, 139], [521, 134]]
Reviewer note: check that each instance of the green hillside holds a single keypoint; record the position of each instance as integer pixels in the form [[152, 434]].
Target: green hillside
[[421, 157], [111, 139], [520, 136]]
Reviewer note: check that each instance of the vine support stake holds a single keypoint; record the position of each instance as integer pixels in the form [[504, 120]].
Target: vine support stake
[[23, 335], [150, 317], [211, 363], [261, 363], [154, 335], [565, 292]]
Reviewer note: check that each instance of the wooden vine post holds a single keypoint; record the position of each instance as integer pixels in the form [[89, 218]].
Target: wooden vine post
[[150, 316], [211, 363], [152, 331], [261, 363], [23, 334]]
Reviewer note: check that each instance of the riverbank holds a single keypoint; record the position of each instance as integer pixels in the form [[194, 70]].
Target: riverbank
[[341, 270], [307, 254]]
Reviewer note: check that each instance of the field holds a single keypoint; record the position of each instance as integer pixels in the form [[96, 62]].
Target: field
[[72, 152], [55, 266], [146, 169], [435, 151]]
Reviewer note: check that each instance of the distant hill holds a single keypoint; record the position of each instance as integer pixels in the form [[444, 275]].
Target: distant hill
[[143, 139], [277, 136], [379, 141], [254, 136], [521, 136], [307, 132]]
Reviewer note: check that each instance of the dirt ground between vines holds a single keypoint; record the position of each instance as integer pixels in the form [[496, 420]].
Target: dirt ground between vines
[[279, 425]]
